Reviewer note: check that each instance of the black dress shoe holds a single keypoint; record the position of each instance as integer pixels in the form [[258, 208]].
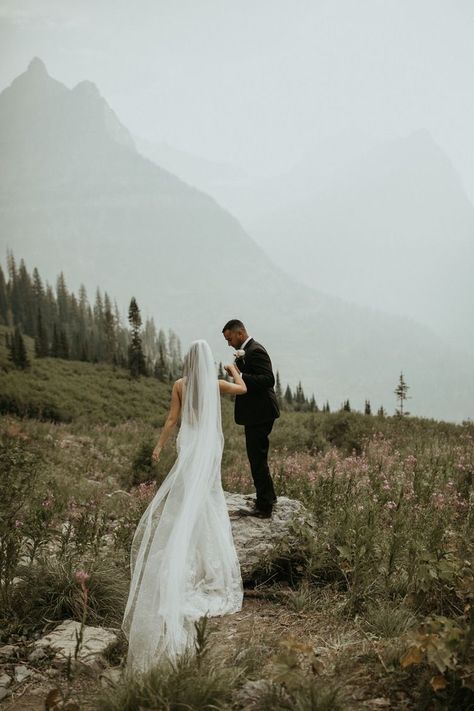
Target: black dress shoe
[[258, 513], [254, 511]]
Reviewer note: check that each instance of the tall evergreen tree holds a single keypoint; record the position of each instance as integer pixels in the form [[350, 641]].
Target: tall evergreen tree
[[3, 299], [161, 365], [367, 408], [288, 396], [14, 295], [109, 331], [278, 389], [17, 349], [136, 359], [401, 392], [63, 344], [41, 338], [299, 398], [55, 345], [62, 299]]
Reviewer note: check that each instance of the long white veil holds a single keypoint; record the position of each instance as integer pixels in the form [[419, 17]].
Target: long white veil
[[183, 560]]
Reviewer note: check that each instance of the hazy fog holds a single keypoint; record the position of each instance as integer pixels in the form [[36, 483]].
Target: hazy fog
[[339, 134], [258, 84]]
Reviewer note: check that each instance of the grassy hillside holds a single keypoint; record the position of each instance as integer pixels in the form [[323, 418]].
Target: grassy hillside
[[391, 562]]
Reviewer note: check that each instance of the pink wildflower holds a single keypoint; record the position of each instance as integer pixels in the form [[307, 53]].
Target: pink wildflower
[[82, 577]]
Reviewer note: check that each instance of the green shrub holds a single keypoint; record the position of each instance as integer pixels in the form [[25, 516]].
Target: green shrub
[[48, 591]]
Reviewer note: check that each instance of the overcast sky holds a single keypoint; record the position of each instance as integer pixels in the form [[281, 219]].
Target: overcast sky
[[258, 83]]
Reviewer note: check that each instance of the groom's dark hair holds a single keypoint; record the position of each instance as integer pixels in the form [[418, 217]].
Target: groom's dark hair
[[233, 325]]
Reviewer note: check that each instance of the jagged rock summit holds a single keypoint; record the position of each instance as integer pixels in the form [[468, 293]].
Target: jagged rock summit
[[37, 67]]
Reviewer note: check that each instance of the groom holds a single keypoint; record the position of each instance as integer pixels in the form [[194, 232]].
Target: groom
[[256, 410]]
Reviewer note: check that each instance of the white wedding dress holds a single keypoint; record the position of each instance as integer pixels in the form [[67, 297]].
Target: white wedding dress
[[183, 560]]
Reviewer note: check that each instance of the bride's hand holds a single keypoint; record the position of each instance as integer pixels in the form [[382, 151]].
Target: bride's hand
[[156, 454], [233, 370]]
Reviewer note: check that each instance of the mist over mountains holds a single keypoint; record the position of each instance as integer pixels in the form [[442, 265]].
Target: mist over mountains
[[386, 224], [77, 196]]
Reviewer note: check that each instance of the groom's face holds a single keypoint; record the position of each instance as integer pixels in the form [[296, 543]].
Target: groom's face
[[234, 338]]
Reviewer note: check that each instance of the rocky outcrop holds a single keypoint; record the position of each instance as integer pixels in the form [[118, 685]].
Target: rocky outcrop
[[257, 539]]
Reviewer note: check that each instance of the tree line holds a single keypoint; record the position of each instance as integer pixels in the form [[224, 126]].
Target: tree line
[[67, 326], [64, 325]]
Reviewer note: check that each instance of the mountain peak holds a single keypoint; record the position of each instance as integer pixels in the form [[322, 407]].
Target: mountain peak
[[86, 88], [37, 67]]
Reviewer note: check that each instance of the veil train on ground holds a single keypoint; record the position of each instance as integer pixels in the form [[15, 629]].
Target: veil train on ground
[[183, 560]]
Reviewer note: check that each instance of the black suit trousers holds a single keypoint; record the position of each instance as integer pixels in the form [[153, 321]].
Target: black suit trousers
[[257, 443]]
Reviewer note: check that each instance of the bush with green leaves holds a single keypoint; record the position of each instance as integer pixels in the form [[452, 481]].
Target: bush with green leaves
[[48, 591]]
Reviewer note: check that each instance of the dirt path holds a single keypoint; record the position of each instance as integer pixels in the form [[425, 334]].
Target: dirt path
[[344, 653]]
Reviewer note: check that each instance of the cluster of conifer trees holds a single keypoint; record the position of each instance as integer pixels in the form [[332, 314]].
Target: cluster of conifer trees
[[64, 325]]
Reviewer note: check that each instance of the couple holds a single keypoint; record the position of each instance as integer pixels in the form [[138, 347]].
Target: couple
[[183, 561]]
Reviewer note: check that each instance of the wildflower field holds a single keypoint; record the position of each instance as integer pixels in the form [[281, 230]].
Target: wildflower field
[[373, 611]]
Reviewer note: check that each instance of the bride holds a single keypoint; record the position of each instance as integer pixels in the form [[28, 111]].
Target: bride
[[183, 561]]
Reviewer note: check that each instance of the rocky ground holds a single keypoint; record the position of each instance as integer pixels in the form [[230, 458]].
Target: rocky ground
[[34, 673], [262, 624]]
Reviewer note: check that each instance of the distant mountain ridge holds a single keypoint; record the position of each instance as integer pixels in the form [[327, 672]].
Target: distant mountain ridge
[[395, 228], [75, 195]]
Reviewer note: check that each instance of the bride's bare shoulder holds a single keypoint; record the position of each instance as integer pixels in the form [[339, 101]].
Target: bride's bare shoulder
[[177, 389]]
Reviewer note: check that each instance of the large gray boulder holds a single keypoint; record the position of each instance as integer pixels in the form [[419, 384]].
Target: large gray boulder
[[257, 540]]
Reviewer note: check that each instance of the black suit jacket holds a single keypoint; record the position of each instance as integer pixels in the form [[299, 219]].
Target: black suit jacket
[[259, 404]]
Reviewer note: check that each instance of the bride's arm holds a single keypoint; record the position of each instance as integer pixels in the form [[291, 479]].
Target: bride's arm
[[171, 420], [238, 387]]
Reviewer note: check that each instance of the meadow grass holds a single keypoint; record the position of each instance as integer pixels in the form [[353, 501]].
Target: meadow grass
[[392, 500]]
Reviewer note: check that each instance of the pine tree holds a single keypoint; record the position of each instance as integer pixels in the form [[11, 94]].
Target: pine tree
[[381, 411], [278, 390], [299, 397], [14, 291], [313, 405], [401, 393], [109, 331], [62, 298], [347, 406], [63, 344], [326, 407], [55, 345], [41, 339], [3, 299], [17, 350], [367, 408], [136, 359], [98, 328], [174, 350], [161, 364], [288, 396]]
